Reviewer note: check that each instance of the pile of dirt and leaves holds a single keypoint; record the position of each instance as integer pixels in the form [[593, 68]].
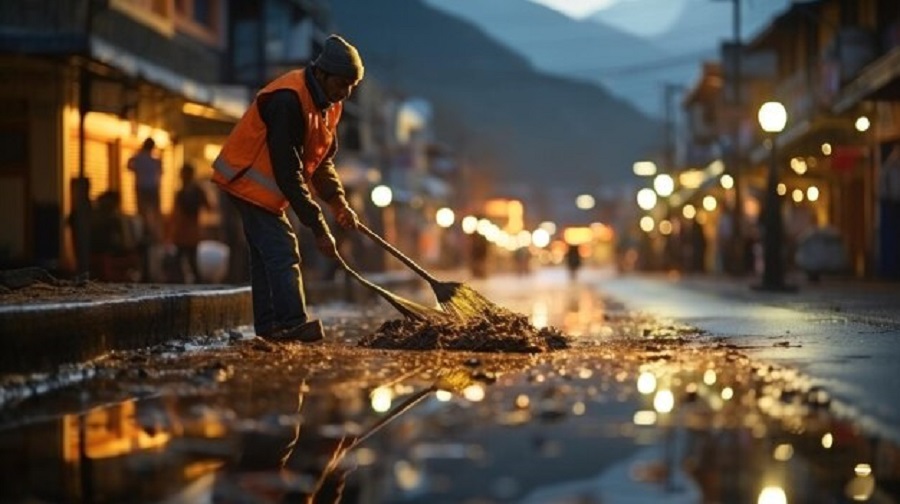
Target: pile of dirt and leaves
[[497, 330]]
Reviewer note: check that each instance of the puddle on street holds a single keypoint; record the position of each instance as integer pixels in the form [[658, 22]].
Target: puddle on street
[[633, 408]]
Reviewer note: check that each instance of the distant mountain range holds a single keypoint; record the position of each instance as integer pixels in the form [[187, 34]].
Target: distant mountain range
[[603, 48], [549, 135], [587, 51]]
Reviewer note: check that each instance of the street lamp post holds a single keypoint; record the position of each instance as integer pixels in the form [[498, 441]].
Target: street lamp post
[[772, 118], [382, 197]]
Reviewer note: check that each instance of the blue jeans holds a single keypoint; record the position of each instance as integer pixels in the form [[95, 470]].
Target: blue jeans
[[275, 280]]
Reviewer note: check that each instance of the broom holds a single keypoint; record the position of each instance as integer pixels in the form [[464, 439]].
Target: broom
[[454, 297]]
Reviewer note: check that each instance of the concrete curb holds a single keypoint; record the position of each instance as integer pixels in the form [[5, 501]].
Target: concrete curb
[[43, 336]]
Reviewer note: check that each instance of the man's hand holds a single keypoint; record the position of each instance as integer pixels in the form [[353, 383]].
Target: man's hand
[[326, 245], [345, 216]]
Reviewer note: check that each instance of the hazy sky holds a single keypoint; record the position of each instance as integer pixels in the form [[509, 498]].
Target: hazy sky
[[653, 17], [641, 17], [578, 8]]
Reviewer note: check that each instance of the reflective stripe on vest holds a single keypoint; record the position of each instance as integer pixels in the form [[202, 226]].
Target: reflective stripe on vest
[[230, 172]]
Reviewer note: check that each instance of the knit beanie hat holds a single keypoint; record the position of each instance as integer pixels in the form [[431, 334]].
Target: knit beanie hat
[[339, 57]]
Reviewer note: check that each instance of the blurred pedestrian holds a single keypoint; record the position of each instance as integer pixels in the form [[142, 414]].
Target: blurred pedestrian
[[185, 223], [147, 170], [478, 254], [114, 247], [573, 260], [279, 154]]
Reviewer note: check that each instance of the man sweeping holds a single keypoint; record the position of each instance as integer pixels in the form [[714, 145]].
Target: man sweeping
[[280, 153]]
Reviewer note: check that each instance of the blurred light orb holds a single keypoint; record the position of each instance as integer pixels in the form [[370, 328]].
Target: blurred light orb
[[689, 211], [812, 193], [772, 495], [709, 203], [665, 227], [540, 238], [646, 383], [646, 198], [382, 196], [664, 401], [862, 124], [644, 168], [381, 399], [469, 224], [727, 181], [772, 117], [445, 217], [585, 202], [664, 184], [647, 224]]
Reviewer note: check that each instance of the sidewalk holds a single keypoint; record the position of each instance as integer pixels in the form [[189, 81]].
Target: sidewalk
[[42, 333]]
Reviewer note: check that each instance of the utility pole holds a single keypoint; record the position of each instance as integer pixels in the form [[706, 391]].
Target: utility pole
[[671, 90], [736, 109], [737, 163], [81, 186]]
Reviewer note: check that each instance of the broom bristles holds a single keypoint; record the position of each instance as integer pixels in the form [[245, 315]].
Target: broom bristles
[[466, 303]]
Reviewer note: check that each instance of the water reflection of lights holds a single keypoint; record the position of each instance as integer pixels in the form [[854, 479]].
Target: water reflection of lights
[[862, 486], [381, 399], [772, 495], [364, 456], [646, 383], [664, 401], [578, 408], [522, 401], [727, 393], [783, 452], [408, 476], [644, 417], [443, 395], [111, 432], [540, 314], [474, 393]]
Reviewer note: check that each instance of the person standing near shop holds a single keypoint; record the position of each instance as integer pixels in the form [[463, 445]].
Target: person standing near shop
[[184, 227], [280, 154], [147, 170]]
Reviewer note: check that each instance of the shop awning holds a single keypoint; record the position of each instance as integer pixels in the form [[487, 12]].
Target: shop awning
[[878, 81], [225, 99]]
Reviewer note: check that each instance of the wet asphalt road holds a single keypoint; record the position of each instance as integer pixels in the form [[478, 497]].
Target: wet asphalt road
[[638, 410]]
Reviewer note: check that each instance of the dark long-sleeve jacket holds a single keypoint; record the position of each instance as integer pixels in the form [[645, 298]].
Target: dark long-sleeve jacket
[[285, 130]]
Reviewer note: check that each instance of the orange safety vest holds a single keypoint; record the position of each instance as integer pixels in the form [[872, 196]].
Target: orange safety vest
[[244, 168]]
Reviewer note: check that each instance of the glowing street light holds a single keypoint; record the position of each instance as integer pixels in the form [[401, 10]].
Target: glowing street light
[[772, 119], [646, 198], [382, 196], [664, 185], [585, 202], [445, 217], [540, 238], [644, 168]]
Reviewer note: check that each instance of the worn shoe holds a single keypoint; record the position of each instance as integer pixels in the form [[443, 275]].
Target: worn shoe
[[306, 332]]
